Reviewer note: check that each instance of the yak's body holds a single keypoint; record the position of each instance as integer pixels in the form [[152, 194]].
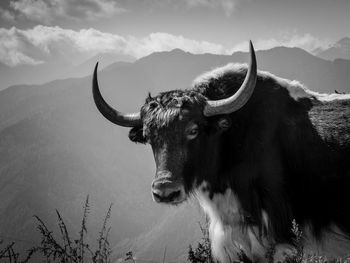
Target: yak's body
[[287, 156], [283, 154]]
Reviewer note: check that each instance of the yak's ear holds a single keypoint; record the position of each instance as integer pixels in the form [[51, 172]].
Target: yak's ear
[[223, 123], [136, 135]]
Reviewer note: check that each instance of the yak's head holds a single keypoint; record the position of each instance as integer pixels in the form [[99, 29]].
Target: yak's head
[[184, 129]]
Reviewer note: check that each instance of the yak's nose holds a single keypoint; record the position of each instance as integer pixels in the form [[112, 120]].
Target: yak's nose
[[167, 192]]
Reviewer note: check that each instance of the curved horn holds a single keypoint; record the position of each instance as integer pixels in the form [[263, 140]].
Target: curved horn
[[126, 120], [237, 100]]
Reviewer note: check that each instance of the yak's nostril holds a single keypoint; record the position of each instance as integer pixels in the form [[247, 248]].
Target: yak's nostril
[[157, 197], [174, 195], [166, 198]]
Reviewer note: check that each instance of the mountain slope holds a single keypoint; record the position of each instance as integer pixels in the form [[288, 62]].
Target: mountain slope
[[55, 69], [54, 154]]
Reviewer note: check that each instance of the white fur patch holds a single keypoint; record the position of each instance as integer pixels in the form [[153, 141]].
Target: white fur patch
[[296, 89], [265, 218], [329, 97], [227, 236]]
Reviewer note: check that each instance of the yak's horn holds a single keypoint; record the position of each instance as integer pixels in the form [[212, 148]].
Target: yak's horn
[[237, 100], [122, 119]]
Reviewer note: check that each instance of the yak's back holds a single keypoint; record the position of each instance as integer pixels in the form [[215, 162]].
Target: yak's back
[[332, 121]]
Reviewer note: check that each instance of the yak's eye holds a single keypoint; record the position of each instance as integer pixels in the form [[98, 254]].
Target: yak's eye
[[192, 131]]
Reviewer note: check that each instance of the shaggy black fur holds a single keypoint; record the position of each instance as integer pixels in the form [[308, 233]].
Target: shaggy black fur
[[290, 158]]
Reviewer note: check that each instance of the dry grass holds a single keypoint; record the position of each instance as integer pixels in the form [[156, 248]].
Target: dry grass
[[64, 249]]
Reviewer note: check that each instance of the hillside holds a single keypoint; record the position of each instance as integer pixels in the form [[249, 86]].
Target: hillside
[[56, 148], [54, 153], [338, 50], [54, 69]]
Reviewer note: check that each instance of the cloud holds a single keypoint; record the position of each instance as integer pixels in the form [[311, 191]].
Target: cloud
[[226, 5], [139, 47], [7, 15], [53, 12], [48, 11], [92, 40], [42, 43], [306, 41], [13, 49]]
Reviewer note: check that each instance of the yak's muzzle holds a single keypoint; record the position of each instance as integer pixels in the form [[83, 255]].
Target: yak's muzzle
[[167, 191]]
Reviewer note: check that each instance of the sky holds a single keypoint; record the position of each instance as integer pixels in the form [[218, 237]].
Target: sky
[[34, 31]]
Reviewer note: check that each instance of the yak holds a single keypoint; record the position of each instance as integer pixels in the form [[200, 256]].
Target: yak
[[257, 151]]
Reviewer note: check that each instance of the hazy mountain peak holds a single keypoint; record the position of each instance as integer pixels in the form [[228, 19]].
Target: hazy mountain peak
[[173, 52], [340, 49], [157, 57], [177, 51], [280, 51], [287, 49], [344, 42]]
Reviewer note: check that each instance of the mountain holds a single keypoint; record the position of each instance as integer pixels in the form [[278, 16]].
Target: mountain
[[292, 63], [30, 74], [54, 69], [104, 59], [296, 64], [56, 149], [340, 50], [54, 155]]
